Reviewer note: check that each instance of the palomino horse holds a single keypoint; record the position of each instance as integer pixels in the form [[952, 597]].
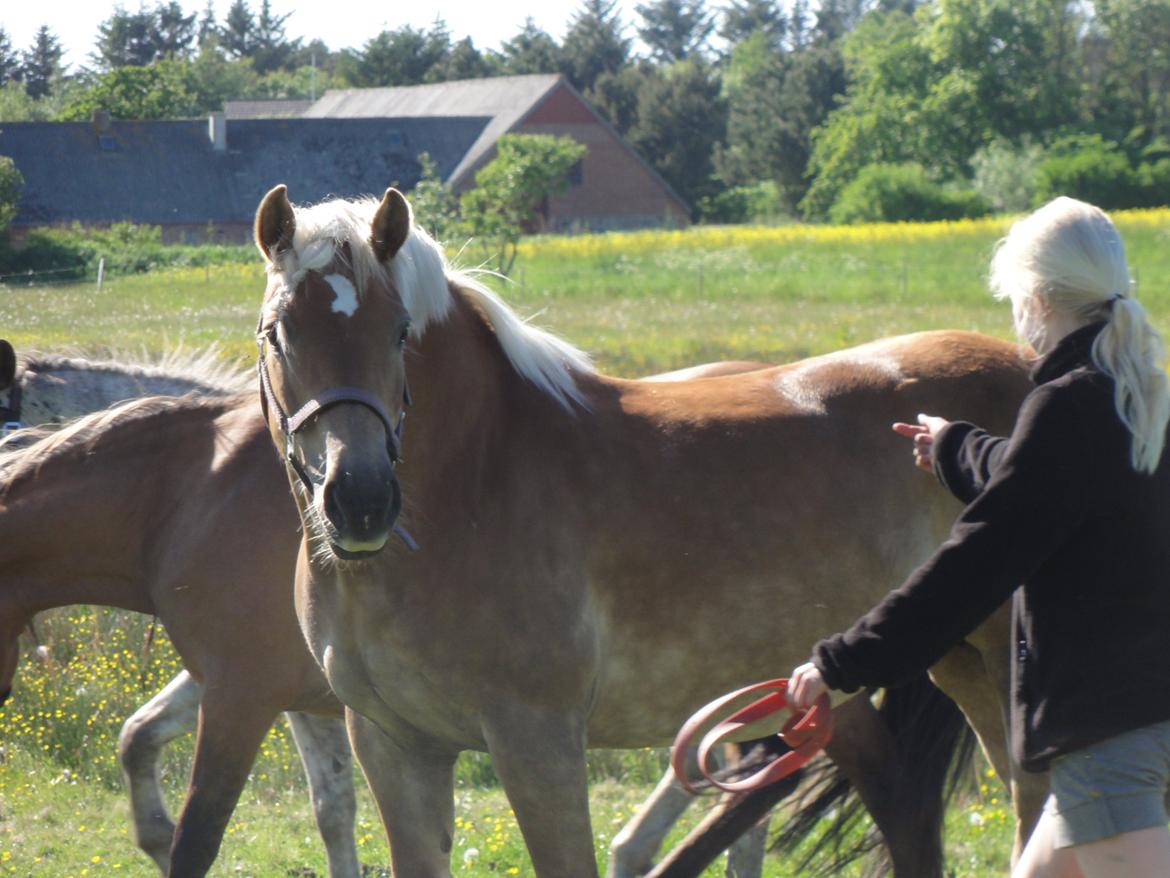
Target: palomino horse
[[208, 545], [598, 557], [40, 389]]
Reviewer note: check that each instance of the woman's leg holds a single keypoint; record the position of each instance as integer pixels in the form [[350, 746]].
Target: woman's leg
[[1138, 854], [1042, 858]]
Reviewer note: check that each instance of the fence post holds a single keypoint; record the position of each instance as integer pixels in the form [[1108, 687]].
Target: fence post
[[101, 272]]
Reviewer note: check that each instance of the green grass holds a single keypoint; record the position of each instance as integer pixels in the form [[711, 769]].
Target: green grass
[[639, 305]]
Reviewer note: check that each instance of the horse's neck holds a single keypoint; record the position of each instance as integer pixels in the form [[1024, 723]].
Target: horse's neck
[[68, 391]]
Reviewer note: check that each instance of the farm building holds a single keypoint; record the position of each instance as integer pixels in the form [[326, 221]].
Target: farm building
[[202, 179]]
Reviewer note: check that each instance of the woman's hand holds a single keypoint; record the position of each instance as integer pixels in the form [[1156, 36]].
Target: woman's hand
[[805, 686], [923, 433]]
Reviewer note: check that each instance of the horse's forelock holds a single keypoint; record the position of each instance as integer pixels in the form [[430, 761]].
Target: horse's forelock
[[418, 271]]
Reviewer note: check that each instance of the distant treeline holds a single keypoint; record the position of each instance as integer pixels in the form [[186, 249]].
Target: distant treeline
[[751, 109]]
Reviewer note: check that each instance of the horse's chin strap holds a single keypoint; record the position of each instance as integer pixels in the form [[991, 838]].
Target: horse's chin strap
[[289, 425]]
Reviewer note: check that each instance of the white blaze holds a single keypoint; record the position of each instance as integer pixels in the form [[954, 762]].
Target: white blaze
[[345, 296]]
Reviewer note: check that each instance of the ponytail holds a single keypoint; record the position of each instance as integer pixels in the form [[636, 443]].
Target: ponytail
[[1130, 351]]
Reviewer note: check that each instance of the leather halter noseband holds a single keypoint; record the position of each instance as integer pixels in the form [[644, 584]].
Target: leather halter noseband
[[290, 425]]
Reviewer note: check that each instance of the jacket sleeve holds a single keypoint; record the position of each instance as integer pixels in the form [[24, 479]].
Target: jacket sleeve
[[1036, 497], [966, 457]]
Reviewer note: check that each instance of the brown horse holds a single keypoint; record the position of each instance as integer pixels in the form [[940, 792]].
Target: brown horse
[[598, 556], [82, 526]]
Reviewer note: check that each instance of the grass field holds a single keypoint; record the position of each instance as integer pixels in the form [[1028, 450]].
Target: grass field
[[640, 302]]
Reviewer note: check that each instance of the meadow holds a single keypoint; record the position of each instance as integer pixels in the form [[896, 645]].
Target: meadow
[[639, 302]]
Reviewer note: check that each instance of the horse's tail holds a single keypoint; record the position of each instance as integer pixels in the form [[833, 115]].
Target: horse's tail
[[935, 746]]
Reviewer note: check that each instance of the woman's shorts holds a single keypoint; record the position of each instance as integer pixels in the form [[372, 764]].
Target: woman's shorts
[[1118, 785]]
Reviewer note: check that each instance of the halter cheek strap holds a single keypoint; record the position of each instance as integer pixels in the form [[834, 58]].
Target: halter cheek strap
[[290, 425]]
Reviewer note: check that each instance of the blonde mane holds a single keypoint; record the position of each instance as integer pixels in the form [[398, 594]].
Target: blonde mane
[[205, 368], [420, 272]]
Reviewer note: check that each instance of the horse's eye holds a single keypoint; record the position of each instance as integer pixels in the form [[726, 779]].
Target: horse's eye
[[402, 336], [272, 336]]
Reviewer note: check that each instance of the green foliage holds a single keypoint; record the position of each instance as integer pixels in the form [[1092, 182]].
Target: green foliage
[[897, 193], [11, 184], [1005, 176], [126, 248], [402, 56], [134, 39], [681, 117], [510, 189], [41, 66], [594, 43], [530, 51], [158, 91], [1089, 168], [675, 30], [436, 208], [754, 203]]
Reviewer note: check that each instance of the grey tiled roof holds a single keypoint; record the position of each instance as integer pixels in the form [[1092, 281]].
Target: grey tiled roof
[[273, 109], [505, 99], [168, 173]]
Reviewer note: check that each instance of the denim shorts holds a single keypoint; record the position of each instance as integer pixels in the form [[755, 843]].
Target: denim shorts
[[1118, 785]]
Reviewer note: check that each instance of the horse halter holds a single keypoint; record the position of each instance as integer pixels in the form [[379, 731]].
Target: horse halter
[[10, 411], [290, 425]]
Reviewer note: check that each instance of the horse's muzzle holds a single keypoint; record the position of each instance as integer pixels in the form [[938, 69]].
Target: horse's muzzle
[[360, 514]]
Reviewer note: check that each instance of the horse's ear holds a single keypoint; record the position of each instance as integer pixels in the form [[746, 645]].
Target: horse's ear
[[391, 225], [275, 223], [7, 364]]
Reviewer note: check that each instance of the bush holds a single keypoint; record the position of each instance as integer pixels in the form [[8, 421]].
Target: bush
[[1005, 175], [1091, 169], [754, 203], [900, 193], [75, 252]]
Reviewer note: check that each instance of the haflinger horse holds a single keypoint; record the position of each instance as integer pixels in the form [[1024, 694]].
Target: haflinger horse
[[208, 543], [38, 389], [595, 557]]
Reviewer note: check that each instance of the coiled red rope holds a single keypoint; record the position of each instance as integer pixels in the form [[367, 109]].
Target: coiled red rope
[[806, 732]]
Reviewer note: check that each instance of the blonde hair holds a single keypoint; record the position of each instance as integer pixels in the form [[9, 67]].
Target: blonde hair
[[1067, 259]]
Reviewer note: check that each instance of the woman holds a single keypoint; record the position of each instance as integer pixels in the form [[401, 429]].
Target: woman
[[1075, 506]]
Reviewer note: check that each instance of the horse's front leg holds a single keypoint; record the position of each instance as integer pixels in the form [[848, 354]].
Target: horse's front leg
[[172, 712], [328, 760], [539, 755], [412, 779], [231, 728]]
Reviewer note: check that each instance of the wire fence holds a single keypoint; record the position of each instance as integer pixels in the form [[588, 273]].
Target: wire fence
[[50, 277]]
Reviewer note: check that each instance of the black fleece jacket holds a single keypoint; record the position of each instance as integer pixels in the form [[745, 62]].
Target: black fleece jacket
[[1057, 508]]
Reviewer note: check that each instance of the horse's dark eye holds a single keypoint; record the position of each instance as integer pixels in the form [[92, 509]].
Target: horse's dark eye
[[273, 337], [402, 336]]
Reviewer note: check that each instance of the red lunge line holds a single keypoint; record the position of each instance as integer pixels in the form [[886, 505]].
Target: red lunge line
[[806, 732]]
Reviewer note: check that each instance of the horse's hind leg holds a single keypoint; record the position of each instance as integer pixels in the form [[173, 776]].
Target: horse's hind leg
[[412, 780], [172, 712], [633, 848], [325, 752], [230, 732]]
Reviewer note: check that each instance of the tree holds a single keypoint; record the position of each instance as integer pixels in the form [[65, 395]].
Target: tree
[[237, 35], [137, 38], [462, 61], [681, 117], [396, 57], [1128, 86], [10, 66], [42, 63], [511, 189], [436, 208], [211, 79], [271, 49], [530, 51], [775, 101], [675, 30], [11, 184], [615, 95], [157, 91], [744, 18], [594, 44]]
